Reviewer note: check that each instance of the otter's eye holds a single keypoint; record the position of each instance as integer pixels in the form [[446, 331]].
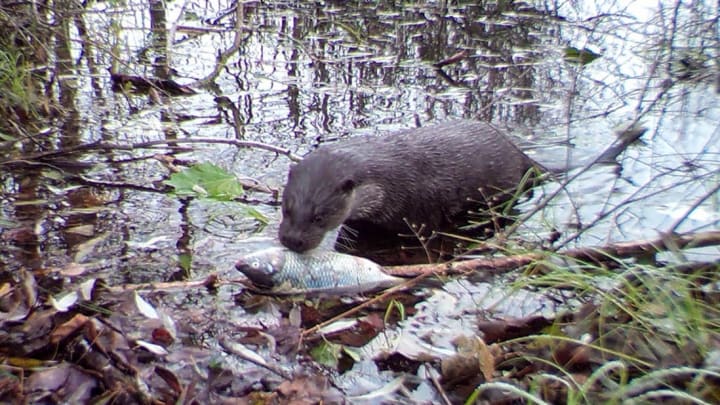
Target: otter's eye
[[317, 219]]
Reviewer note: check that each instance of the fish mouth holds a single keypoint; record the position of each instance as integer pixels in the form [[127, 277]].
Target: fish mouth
[[259, 277]]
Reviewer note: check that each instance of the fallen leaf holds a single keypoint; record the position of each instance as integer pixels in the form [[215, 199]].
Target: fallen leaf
[[64, 303], [86, 289], [20, 236], [206, 180], [511, 328], [152, 348], [68, 328], [309, 390], [327, 353], [340, 325], [82, 230], [162, 337], [473, 358], [72, 270], [25, 363], [5, 289], [145, 308], [63, 381], [170, 379], [29, 288]]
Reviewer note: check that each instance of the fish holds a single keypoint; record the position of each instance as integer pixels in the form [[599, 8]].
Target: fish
[[278, 270]]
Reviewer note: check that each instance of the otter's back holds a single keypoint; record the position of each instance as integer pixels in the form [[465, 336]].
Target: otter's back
[[429, 175]]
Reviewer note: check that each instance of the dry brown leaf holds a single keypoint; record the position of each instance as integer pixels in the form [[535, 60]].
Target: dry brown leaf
[[170, 379], [475, 347], [68, 328], [473, 359], [72, 269], [162, 337]]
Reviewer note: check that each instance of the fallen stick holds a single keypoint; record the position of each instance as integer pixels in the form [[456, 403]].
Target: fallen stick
[[597, 255], [495, 265], [453, 59], [645, 247]]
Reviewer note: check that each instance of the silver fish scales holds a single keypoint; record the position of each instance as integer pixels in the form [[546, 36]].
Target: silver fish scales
[[282, 271]]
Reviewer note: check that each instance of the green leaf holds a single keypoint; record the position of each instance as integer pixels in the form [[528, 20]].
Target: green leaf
[[580, 56], [205, 180], [327, 353], [185, 262], [353, 353], [394, 305], [257, 215]]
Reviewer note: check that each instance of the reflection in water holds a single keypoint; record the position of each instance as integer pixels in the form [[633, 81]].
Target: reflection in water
[[378, 62], [23, 246], [69, 131], [183, 244], [159, 43]]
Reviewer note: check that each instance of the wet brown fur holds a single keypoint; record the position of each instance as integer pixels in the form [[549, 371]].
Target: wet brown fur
[[427, 176]]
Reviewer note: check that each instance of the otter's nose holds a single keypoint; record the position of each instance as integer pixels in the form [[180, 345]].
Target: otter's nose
[[294, 244]]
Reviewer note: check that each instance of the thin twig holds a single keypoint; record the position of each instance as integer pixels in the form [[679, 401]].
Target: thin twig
[[437, 385], [152, 144], [353, 310], [224, 56], [245, 354], [693, 207], [598, 255]]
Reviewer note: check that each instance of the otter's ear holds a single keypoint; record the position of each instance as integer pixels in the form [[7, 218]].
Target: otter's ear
[[347, 185]]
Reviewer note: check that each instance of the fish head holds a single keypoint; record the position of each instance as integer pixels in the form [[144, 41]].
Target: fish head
[[261, 267]]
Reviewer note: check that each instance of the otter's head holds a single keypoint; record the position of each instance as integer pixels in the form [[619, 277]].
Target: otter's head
[[317, 198]]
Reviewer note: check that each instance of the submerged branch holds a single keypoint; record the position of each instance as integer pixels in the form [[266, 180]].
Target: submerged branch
[[694, 206], [156, 143], [233, 142], [223, 56]]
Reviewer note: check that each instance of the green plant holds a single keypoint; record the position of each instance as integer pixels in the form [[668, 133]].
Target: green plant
[[643, 333], [13, 81], [206, 180]]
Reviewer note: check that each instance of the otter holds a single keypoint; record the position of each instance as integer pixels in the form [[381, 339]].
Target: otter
[[428, 177]]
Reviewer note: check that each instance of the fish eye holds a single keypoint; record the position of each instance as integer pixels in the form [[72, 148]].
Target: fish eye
[[255, 264]]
